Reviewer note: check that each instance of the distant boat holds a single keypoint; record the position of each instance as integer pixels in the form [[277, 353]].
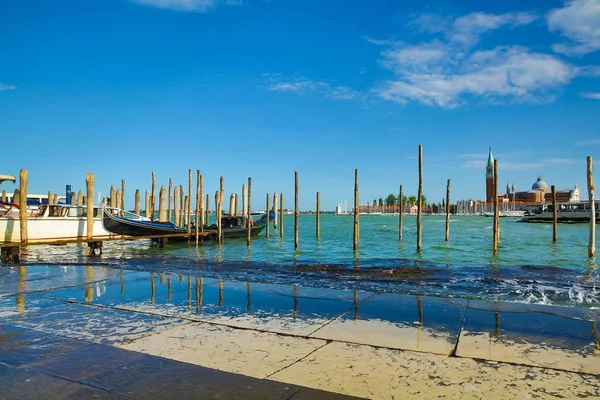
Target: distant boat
[[506, 213], [567, 213]]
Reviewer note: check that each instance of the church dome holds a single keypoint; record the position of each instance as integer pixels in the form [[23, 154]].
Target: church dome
[[540, 185]]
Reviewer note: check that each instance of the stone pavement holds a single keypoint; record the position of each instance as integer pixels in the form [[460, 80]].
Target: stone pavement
[[356, 343]]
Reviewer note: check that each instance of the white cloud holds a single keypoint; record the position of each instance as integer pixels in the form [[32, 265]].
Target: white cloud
[[560, 161], [186, 5], [474, 156], [595, 96], [306, 87], [466, 29], [588, 142], [579, 21], [441, 75], [4, 87]]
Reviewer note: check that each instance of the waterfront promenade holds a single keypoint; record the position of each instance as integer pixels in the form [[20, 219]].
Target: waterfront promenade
[[111, 331]]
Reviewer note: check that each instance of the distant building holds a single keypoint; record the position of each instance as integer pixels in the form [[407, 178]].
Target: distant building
[[489, 178]]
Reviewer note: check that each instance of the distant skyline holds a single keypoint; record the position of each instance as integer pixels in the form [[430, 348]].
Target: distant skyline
[[264, 88]]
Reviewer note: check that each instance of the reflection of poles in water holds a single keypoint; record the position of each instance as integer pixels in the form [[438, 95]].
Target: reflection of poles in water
[[153, 288], [89, 288], [162, 279], [169, 289], [249, 298], [295, 301], [189, 292], [420, 328], [180, 278], [199, 283], [596, 336], [122, 283], [356, 305], [220, 293], [496, 326], [21, 288]]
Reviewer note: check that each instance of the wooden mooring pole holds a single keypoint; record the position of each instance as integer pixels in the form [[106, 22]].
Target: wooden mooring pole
[[162, 204], [136, 209], [232, 205], [207, 212], [153, 197], [401, 203], [236, 205], [221, 198], [80, 198], [189, 204], [275, 210], [244, 200], [296, 215], [201, 199], [420, 201], [89, 185], [181, 206], [113, 196], [122, 205], [281, 215], [198, 207], [592, 205], [554, 215], [176, 210], [496, 232], [448, 211], [318, 221], [355, 232], [147, 210], [248, 215], [169, 200], [23, 183], [268, 214]]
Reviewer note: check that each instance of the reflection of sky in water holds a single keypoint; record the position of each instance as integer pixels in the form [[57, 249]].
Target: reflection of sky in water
[[529, 268]]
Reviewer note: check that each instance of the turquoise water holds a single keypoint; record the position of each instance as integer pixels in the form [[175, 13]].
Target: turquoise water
[[529, 268]]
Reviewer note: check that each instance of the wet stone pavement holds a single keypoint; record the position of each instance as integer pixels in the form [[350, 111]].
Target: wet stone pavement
[[100, 332]]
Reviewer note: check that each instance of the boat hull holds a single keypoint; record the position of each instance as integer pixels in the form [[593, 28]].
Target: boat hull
[[50, 228], [130, 227]]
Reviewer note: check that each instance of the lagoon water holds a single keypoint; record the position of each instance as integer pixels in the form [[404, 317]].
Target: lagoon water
[[529, 268]]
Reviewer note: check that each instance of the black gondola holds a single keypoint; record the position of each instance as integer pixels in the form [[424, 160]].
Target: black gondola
[[137, 227]]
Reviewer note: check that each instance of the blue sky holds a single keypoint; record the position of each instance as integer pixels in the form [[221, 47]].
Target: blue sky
[[265, 88]]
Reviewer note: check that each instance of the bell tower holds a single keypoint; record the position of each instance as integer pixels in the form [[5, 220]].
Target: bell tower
[[489, 178]]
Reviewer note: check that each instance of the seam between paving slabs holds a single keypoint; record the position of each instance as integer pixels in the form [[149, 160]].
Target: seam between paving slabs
[[460, 329], [298, 360]]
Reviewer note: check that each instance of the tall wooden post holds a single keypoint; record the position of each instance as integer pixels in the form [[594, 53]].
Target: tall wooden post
[[147, 210], [281, 215], [201, 196], [244, 200], [221, 198], [207, 212], [122, 205], [89, 185], [355, 233], [232, 205], [318, 227], [136, 209], [118, 199], [268, 214], [50, 197], [186, 204], [248, 215], [198, 207], [55, 199], [113, 196], [296, 210], [176, 212], [162, 204], [554, 215], [189, 205], [72, 198], [169, 200], [448, 211], [401, 203], [275, 210], [236, 205], [181, 206], [80, 198], [23, 183], [590, 185], [4, 196], [153, 197], [420, 200], [496, 211]]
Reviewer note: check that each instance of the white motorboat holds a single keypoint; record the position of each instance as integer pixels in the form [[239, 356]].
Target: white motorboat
[[53, 222], [567, 213]]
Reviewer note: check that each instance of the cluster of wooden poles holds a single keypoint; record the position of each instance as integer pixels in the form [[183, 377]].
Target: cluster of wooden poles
[[178, 206]]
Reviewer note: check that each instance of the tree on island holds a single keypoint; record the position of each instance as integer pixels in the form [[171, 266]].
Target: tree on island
[[390, 201]]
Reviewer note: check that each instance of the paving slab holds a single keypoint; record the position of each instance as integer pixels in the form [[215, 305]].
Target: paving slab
[[27, 384], [378, 373], [272, 308], [96, 324], [536, 339], [247, 352], [426, 324]]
